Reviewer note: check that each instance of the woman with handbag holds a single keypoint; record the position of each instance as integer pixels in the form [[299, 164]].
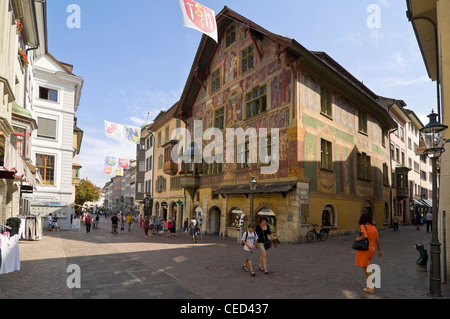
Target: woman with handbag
[[363, 257], [263, 232]]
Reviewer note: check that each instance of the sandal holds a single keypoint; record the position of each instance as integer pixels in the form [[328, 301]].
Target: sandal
[[252, 273], [245, 268], [261, 269], [266, 271], [369, 290]]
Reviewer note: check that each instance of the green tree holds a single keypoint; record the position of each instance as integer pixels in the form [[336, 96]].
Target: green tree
[[86, 192]]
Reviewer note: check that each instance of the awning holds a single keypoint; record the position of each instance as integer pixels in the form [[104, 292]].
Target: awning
[[418, 202], [427, 202], [13, 162], [266, 212], [261, 188]]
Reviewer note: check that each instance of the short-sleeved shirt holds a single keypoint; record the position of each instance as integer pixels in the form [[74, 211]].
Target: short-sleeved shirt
[[262, 234], [250, 238]]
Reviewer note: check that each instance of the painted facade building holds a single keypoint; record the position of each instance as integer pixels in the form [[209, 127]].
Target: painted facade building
[[333, 141]]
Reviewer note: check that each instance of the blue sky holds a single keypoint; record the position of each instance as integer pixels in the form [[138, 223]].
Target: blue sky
[[135, 56]]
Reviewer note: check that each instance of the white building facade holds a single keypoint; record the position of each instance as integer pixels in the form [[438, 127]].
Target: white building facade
[[56, 97]]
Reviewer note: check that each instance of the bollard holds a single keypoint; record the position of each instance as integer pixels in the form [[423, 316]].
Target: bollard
[[423, 259]]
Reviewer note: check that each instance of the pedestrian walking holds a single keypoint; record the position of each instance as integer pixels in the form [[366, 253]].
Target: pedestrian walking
[[174, 221], [263, 232], [152, 225], [140, 221], [429, 217], [158, 223], [122, 224], [169, 227], [193, 229], [55, 223], [418, 220], [88, 221], [363, 257], [146, 226], [185, 224], [249, 240], [129, 221], [50, 225], [395, 222], [114, 223]]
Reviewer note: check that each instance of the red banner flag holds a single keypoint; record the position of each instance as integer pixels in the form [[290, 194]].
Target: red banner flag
[[199, 17]]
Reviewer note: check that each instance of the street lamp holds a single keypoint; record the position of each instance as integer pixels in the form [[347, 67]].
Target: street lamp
[[433, 136], [253, 184]]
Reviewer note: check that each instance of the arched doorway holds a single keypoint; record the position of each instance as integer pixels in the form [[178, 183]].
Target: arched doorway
[[164, 209], [214, 220], [329, 215], [367, 207], [157, 209]]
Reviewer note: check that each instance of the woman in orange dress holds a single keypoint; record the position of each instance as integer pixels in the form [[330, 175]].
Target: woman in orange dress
[[363, 257]]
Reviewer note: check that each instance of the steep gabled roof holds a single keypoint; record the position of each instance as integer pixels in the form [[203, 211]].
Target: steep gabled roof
[[317, 63]]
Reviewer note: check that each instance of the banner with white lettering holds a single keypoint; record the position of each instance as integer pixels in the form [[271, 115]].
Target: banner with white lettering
[[199, 17]]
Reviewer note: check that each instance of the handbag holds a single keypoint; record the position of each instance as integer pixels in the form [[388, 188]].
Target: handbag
[[361, 244], [267, 245]]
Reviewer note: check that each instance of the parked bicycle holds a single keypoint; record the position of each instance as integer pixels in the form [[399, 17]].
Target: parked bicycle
[[313, 235]]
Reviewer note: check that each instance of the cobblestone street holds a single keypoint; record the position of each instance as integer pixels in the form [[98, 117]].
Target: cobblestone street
[[130, 266]]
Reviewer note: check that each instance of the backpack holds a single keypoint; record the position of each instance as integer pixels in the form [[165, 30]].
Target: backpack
[[246, 235]]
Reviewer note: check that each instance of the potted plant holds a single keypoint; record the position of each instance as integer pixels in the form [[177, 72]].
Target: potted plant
[[182, 172], [200, 171], [19, 26], [190, 172], [23, 59], [14, 223]]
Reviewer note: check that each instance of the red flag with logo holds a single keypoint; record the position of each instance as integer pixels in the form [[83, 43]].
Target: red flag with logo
[[199, 17]]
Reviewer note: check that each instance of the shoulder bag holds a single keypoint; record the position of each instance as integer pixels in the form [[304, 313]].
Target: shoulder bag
[[361, 244]]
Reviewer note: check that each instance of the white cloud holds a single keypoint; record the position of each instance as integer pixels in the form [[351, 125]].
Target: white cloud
[[396, 82]]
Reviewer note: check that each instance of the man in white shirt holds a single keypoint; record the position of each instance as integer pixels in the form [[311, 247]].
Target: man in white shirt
[[49, 222], [429, 217]]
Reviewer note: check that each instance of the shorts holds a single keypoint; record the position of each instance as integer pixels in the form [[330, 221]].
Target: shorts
[[248, 254], [261, 248]]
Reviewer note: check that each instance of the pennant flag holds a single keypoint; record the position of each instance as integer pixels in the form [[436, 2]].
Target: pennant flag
[[199, 17], [113, 130], [108, 170], [133, 134], [123, 163], [119, 171], [110, 161]]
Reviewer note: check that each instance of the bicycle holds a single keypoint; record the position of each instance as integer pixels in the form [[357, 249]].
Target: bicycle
[[313, 235]]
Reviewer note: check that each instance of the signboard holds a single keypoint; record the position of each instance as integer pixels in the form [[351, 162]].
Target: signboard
[[76, 223]]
